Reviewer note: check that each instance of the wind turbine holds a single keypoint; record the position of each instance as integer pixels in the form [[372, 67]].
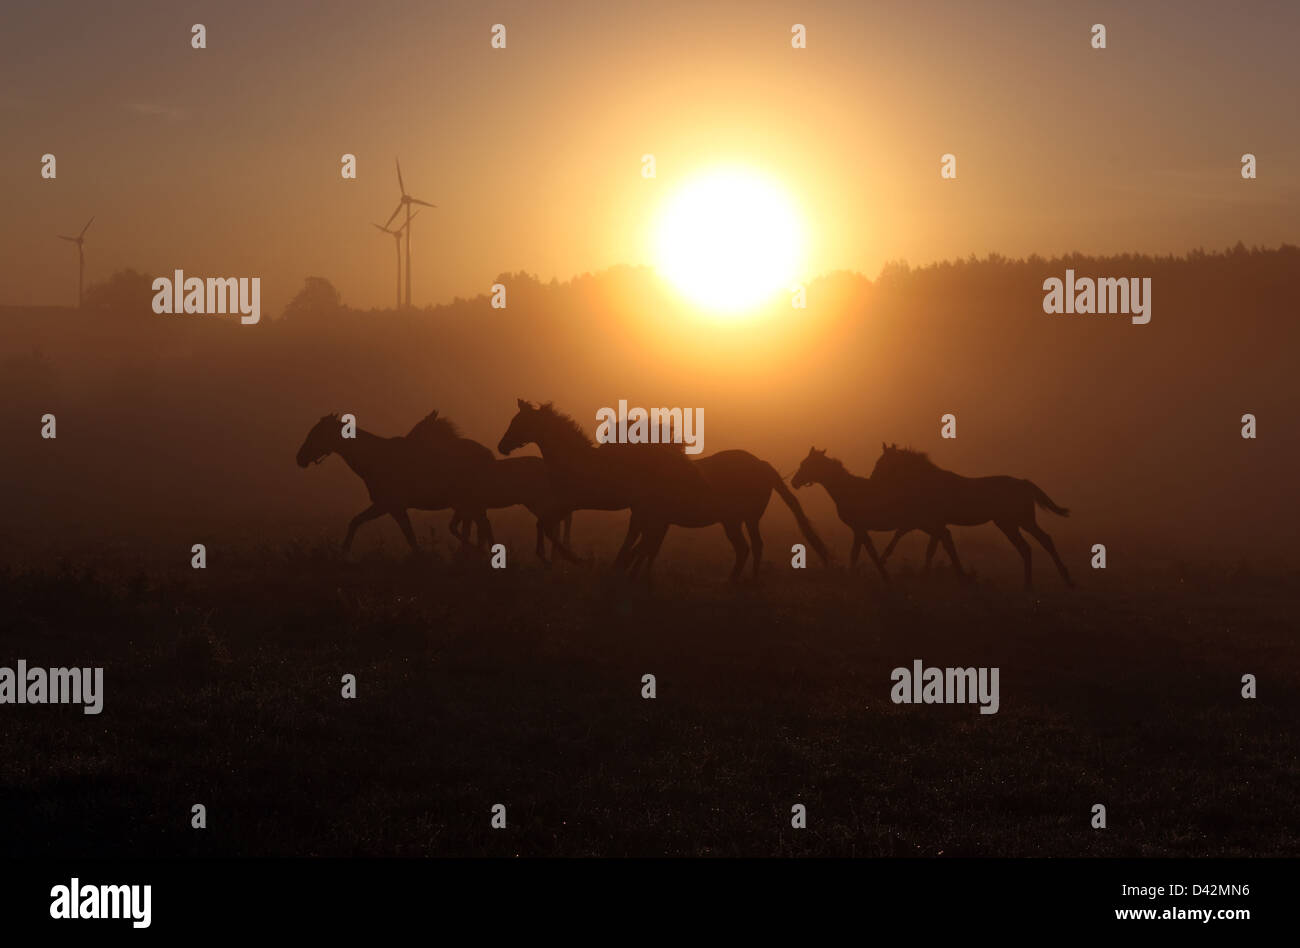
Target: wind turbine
[[397, 245], [406, 202], [81, 256]]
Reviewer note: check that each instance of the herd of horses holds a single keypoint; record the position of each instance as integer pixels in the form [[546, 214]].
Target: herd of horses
[[434, 468]]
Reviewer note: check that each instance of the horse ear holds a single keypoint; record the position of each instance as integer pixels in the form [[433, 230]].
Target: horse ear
[[884, 447], [521, 403]]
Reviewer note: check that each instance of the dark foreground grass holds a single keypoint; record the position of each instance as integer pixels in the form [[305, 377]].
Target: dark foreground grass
[[523, 687]]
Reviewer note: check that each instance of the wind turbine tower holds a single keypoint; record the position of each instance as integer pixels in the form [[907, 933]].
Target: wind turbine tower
[[406, 202], [79, 240], [397, 246]]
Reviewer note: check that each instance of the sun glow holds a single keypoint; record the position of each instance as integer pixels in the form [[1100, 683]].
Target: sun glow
[[729, 239]]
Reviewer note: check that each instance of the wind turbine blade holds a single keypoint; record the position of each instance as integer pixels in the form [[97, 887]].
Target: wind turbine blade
[[73, 239], [399, 175], [87, 227], [425, 203], [381, 227], [392, 215]]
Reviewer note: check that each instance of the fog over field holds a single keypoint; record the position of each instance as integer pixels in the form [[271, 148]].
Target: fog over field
[[186, 426]]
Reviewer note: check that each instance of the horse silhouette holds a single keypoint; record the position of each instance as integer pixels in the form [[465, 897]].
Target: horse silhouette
[[660, 483], [531, 483], [737, 489], [588, 476], [525, 481], [932, 498], [864, 506], [431, 468], [400, 474]]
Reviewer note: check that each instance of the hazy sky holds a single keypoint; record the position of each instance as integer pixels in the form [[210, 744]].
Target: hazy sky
[[225, 161]]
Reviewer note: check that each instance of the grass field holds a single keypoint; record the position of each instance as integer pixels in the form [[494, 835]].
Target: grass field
[[523, 687]]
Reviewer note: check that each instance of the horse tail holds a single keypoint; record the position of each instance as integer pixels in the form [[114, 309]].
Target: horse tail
[[791, 501], [1041, 498]]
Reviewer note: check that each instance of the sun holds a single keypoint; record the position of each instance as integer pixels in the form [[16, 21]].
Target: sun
[[728, 239]]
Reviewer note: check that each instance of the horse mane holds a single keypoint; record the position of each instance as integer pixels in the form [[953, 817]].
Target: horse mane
[[434, 428], [835, 463], [564, 421], [911, 458], [840, 467]]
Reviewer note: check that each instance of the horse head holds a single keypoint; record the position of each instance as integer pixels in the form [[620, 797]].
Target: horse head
[[810, 470], [523, 428], [887, 465], [321, 440]]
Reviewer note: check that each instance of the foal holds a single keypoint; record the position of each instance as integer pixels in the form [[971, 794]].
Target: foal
[[931, 495], [864, 506]]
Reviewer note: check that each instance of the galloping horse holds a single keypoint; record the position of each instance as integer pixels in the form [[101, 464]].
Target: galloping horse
[[661, 485], [863, 506], [587, 476], [932, 498], [531, 483], [433, 468], [526, 481], [402, 473], [737, 489]]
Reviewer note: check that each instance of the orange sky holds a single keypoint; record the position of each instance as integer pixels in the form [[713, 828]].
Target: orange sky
[[225, 161]]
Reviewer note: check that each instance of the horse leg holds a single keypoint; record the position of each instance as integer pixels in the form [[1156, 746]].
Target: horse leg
[[635, 555], [929, 551], [634, 530], [404, 521], [558, 545], [461, 529], [652, 541], [370, 513], [1021, 544], [755, 541], [484, 527], [568, 526], [875, 557], [541, 541], [646, 547], [898, 535], [945, 537], [857, 548], [738, 543], [1039, 534]]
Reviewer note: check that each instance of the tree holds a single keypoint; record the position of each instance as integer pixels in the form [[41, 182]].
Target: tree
[[318, 298], [127, 292]]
